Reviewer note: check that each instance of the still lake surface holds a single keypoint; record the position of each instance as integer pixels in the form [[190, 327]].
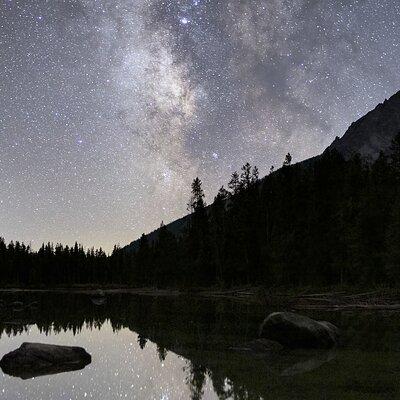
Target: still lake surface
[[162, 348]]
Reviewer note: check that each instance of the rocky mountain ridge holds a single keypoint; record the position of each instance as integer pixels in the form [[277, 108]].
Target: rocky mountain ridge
[[372, 133]]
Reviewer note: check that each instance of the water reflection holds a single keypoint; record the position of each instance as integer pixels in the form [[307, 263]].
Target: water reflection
[[180, 348], [27, 373], [314, 362]]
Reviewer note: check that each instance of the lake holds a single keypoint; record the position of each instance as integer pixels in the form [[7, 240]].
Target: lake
[[180, 347]]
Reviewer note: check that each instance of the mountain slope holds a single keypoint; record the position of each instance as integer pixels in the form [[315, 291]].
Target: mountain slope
[[176, 227], [373, 132], [368, 136]]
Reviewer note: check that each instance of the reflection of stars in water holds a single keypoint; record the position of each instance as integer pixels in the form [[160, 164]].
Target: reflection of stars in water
[[119, 369]]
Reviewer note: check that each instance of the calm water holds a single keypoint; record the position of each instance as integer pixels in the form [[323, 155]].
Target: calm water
[[180, 348]]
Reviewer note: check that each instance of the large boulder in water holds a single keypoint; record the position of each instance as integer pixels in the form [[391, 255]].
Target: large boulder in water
[[35, 359], [297, 331]]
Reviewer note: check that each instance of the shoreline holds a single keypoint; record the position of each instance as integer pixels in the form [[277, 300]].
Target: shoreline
[[296, 299]]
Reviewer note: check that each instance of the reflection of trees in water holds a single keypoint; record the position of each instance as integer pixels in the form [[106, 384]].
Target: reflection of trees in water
[[142, 341], [196, 379], [198, 330], [193, 329], [162, 352]]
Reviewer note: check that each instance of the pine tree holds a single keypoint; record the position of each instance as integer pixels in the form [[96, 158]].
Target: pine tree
[[254, 175], [196, 202], [395, 156], [393, 244], [143, 262], [245, 177], [218, 214], [234, 183], [288, 160], [199, 248]]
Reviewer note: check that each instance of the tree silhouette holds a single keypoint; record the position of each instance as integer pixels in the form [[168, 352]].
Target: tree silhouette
[[234, 183], [288, 160], [196, 202], [333, 221]]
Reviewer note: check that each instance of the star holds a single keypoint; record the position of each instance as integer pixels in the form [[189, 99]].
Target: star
[[142, 96], [184, 21]]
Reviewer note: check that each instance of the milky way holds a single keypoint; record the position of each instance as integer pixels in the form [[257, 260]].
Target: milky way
[[109, 108]]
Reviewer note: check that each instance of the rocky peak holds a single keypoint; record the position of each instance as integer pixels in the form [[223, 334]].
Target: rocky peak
[[373, 132]]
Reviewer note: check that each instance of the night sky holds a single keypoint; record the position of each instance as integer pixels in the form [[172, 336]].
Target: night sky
[[109, 108]]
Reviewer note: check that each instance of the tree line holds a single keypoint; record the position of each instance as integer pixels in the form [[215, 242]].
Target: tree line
[[328, 221]]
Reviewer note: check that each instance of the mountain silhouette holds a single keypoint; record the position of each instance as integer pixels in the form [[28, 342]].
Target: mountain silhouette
[[368, 136]]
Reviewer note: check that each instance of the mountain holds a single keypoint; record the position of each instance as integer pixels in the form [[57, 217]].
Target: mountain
[[176, 227], [368, 136], [371, 133]]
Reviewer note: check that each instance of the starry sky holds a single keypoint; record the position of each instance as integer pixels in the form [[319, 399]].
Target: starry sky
[[109, 108]]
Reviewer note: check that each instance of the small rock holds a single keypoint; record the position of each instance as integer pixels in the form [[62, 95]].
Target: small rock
[[99, 298]]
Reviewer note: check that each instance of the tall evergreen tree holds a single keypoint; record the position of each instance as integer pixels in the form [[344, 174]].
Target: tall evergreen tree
[[234, 183], [288, 160]]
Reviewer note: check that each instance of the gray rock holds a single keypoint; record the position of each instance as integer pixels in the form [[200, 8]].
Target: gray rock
[[35, 359], [99, 298], [333, 330], [98, 301], [297, 331]]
